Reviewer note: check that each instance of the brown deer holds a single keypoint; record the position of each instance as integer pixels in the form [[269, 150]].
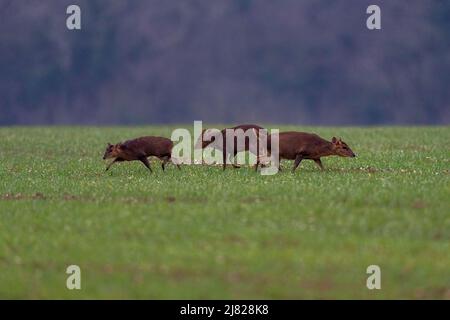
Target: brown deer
[[231, 148], [140, 149], [298, 146]]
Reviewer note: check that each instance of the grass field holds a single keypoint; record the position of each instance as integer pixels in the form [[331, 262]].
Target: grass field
[[204, 233]]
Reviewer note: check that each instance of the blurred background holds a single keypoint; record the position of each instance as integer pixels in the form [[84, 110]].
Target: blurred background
[[309, 62]]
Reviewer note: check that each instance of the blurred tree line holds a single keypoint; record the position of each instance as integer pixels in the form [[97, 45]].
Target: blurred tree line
[[228, 61]]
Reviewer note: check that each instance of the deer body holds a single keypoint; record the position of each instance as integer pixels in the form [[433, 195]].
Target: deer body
[[299, 146], [140, 149], [230, 147]]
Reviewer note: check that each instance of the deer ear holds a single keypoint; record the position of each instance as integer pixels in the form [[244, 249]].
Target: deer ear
[[334, 140], [109, 144]]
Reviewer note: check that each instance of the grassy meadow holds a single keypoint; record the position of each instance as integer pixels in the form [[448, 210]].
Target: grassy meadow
[[204, 233]]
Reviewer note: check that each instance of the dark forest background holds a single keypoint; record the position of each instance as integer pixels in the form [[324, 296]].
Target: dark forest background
[[227, 61]]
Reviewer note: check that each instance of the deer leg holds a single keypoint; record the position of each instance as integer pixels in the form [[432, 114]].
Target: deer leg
[[178, 166], [110, 164], [257, 164], [233, 162], [224, 163], [144, 160], [319, 163], [164, 160], [297, 161]]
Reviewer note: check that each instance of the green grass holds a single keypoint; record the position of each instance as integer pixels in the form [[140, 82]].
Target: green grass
[[204, 233]]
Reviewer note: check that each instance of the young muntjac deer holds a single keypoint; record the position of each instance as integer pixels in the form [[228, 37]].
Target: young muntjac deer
[[231, 148], [140, 149], [301, 145]]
